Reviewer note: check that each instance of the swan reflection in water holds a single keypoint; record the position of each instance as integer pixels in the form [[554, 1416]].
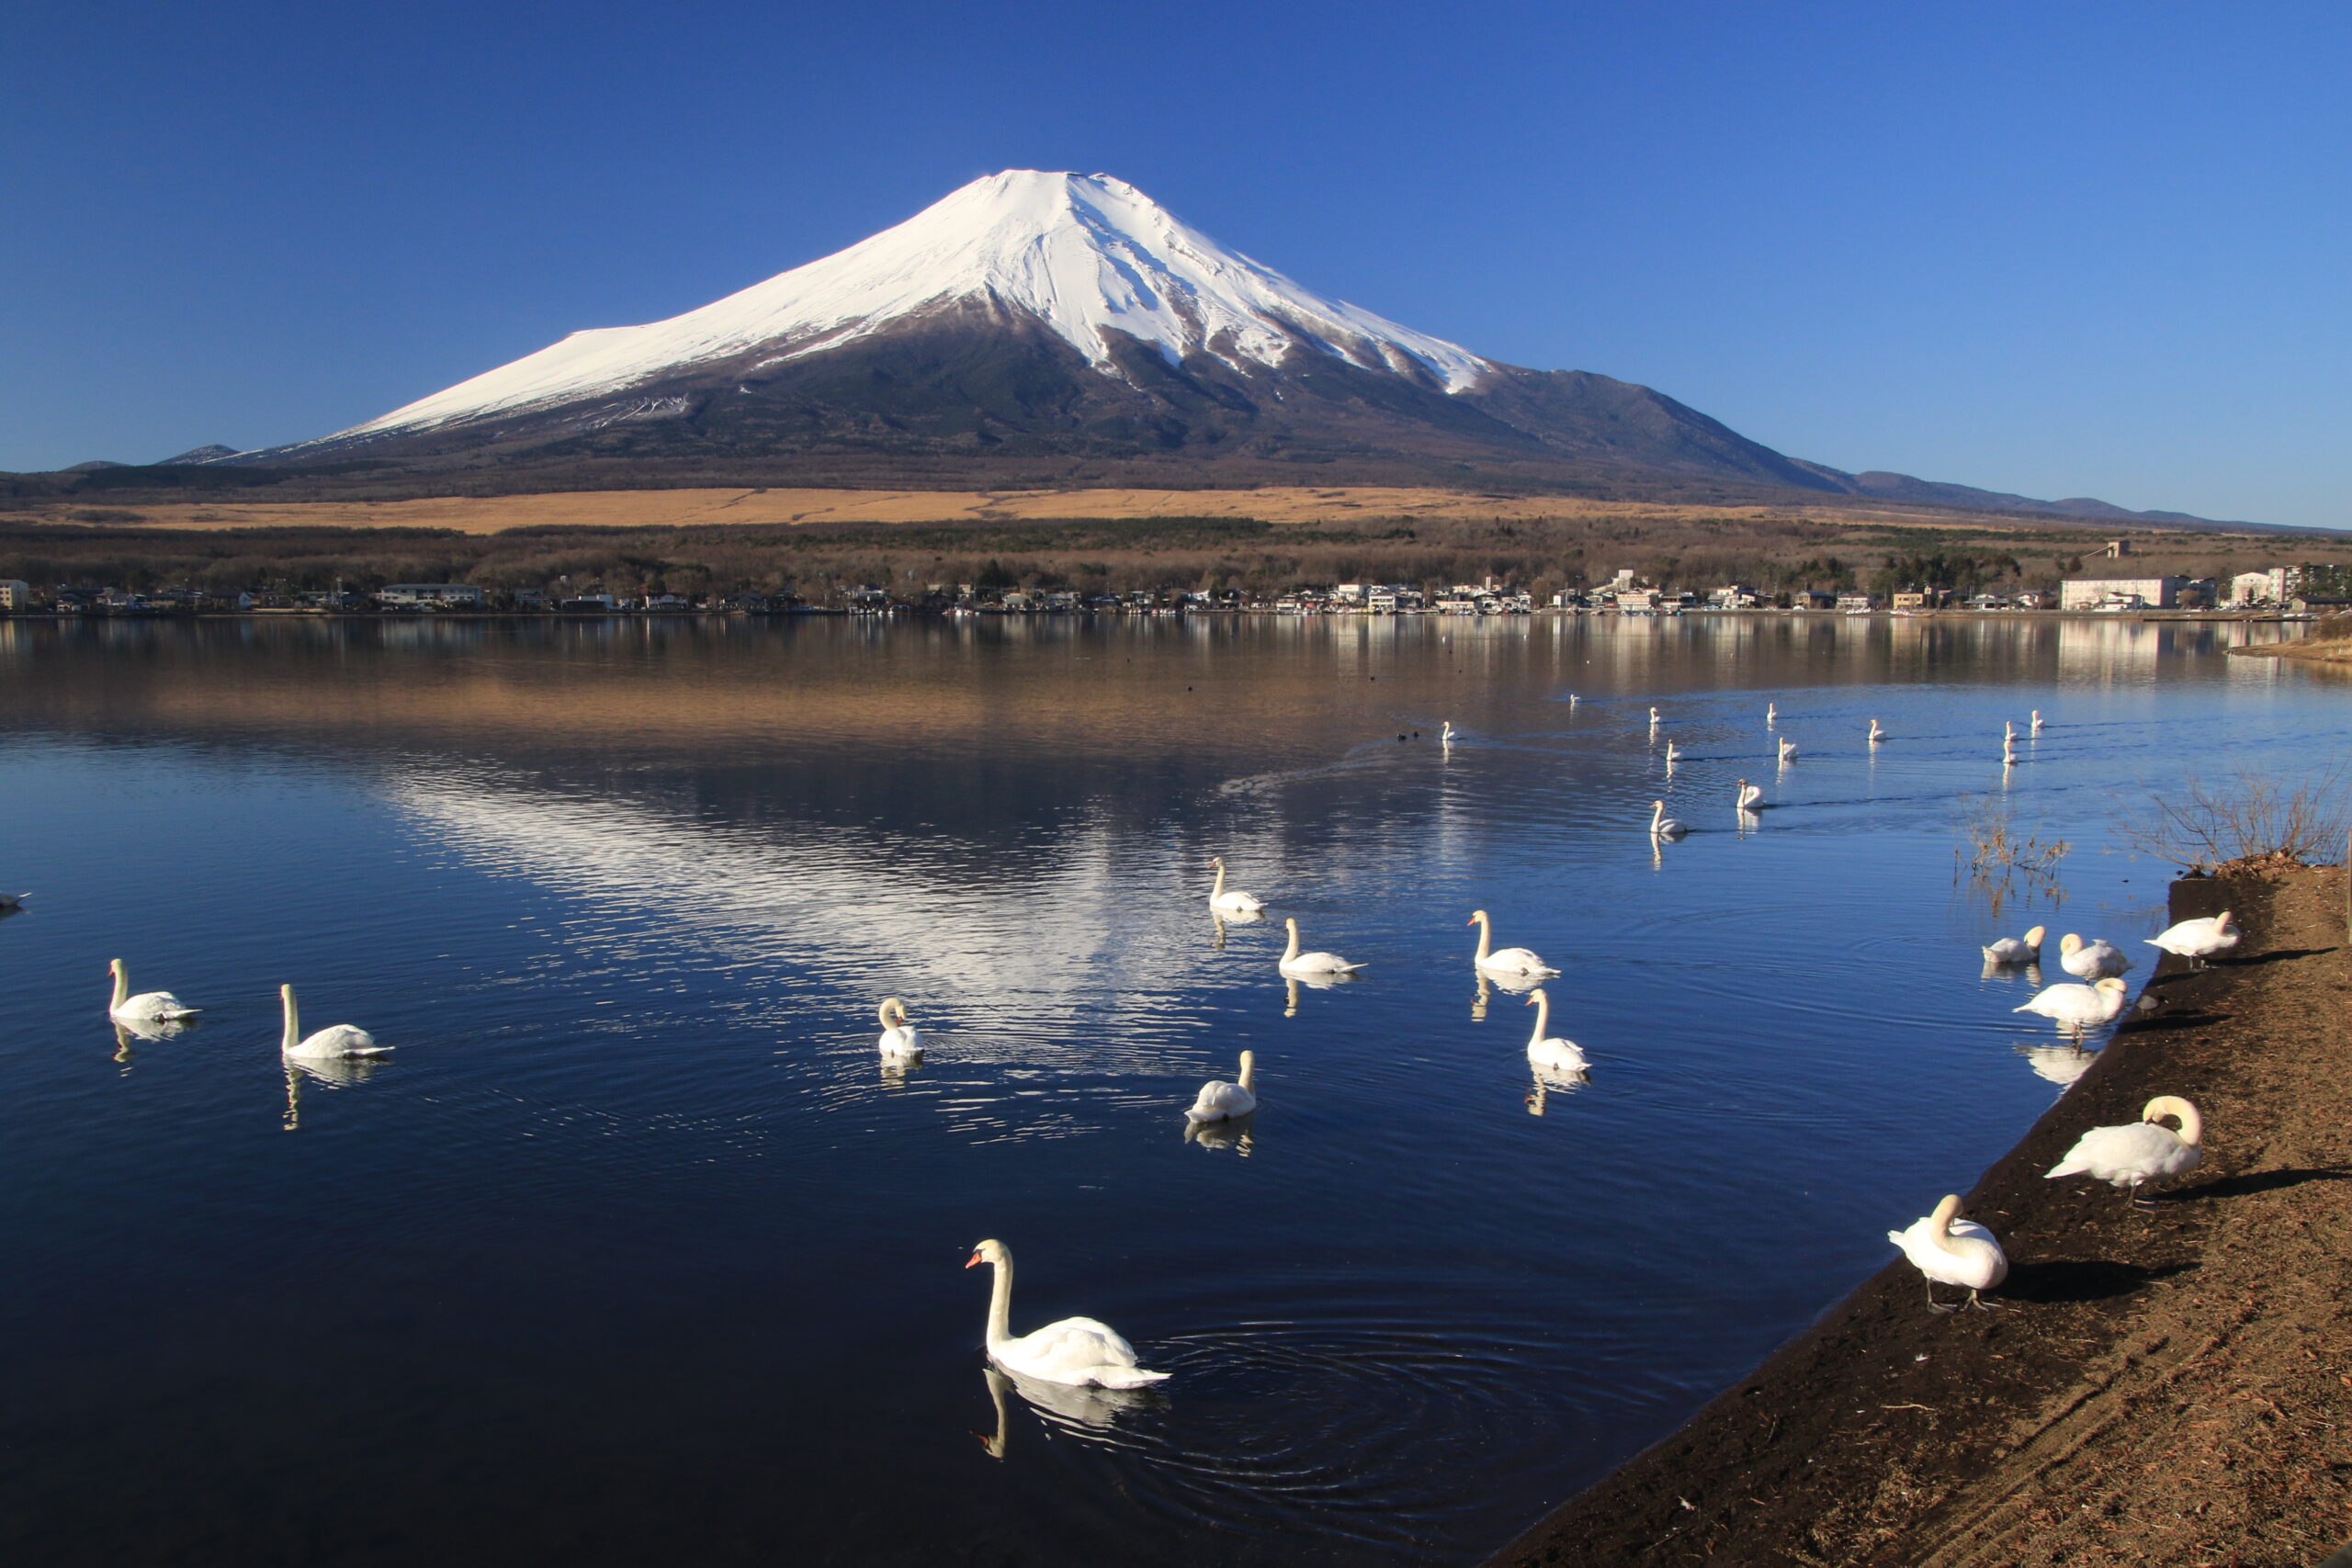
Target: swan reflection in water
[[1324, 982], [334, 1071], [1236, 1135], [2062, 1064], [1516, 984], [1221, 920], [2031, 973], [1550, 1082], [1079, 1410]]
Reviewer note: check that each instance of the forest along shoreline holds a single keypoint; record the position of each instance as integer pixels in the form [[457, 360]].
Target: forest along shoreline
[[2167, 1387]]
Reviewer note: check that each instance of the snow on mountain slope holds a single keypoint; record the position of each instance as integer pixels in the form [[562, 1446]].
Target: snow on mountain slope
[[1083, 253]]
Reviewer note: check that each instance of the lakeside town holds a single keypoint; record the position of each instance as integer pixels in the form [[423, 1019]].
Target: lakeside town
[[2305, 590]]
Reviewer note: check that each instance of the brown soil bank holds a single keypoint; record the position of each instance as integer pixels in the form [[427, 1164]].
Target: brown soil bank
[[2170, 1388]]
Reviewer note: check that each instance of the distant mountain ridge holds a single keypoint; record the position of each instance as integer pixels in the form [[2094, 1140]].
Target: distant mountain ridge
[[1050, 329]]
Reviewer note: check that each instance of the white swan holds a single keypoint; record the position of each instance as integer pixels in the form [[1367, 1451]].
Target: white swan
[[1788, 750], [147, 1007], [1653, 719], [1877, 734], [1233, 901], [1953, 1251], [1750, 796], [2143, 1151], [899, 1039], [1503, 960], [2078, 1007], [1076, 1351], [2008, 751], [2017, 949], [1771, 712], [2036, 722], [2093, 960], [2009, 731], [336, 1040], [1223, 1102], [2200, 940], [1543, 1051], [1445, 735], [1661, 825], [1673, 753], [1306, 963]]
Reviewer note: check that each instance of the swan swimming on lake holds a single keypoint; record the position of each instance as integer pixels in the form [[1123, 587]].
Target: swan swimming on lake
[[1445, 735], [1223, 1102], [1503, 960], [1076, 1351], [333, 1042], [2078, 1007], [1771, 712], [1953, 1251], [2036, 722], [1673, 753], [2145, 1150], [1307, 964], [1877, 734], [1544, 1052], [900, 1041], [1661, 825], [2017, 949], [1788, 750], [1750, 796], [2093, 960], [2200, 940], [147, 1007], [1230, 901]]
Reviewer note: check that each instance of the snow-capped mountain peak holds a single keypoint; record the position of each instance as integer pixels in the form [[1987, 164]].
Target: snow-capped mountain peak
[[1086, 254]]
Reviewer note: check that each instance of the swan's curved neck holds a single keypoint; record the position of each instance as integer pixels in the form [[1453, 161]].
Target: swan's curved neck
[[886, 1012], [2192, 1125], [293, 1021], [1248, 1070], [121, 985], [1292, 950], [1218, 891], [1940, 1224], [1001, 1302], [1657, 812], [1485, 931], [1543, 1019]]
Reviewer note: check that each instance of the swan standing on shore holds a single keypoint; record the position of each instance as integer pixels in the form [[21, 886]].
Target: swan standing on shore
[[1788, 750], [2079, 1008], [2143, 1151], [1953, 1251], [331, 1043], [147, 1007], [1309, 963], [900, 1041], [1075, 1352], [1661, 825], [1503, 960], [1545, 1053], [1223, 1102], [2200, 940], [1233, 901], [2023, 949], [2093, 960], [1750, 798]]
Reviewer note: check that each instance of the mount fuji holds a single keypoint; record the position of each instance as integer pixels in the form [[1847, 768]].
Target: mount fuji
[[1042, 328]]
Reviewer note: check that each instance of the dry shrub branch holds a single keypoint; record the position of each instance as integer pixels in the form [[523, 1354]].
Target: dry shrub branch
[[2248, 822], [1998, 859]]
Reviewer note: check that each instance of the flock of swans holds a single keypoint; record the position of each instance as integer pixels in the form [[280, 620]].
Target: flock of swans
[[1950, 1250], [1082, 1352]]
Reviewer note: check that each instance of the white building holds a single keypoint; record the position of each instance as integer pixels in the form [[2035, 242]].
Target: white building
[[2272, 587], [16, 595], [2120, 592], [410, 595]]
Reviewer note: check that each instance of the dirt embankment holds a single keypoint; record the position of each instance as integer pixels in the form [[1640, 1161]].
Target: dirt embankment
[[2169, 1388]]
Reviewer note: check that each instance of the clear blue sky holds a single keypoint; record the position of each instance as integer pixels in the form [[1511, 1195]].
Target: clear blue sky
[[2063, 249]]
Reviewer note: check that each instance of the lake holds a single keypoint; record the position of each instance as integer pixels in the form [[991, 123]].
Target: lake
[[632, 1252]]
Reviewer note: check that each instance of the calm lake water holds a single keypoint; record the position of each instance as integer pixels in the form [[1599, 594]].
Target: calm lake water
[[632, 1254]]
